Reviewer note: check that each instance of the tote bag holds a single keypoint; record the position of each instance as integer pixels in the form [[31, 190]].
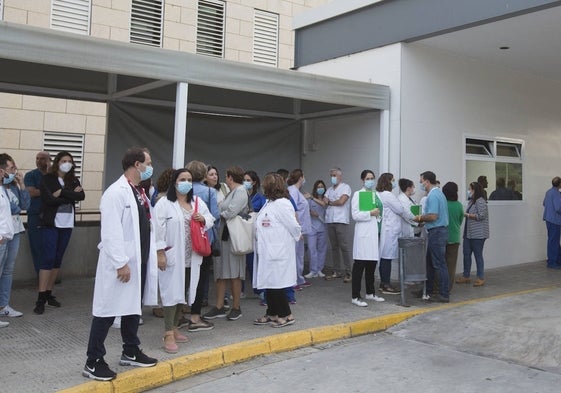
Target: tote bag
[[199, 237], [241, 233]]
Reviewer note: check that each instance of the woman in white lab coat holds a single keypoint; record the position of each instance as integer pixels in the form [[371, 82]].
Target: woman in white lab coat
[[365, 244], [392, 214], [173, 242], [277, 232], [407, 188]]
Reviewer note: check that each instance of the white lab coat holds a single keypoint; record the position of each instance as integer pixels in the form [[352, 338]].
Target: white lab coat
[[407, 226], [365, 242], [391, 224], [170, 233], [120, 245], [277, 232]]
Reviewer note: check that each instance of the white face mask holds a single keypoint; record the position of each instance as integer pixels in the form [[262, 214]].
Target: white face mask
[[65, 167]]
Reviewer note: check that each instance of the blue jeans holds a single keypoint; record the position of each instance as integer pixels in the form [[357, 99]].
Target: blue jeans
[[474, 246], [7, 262], [437, 240], [553, 247]]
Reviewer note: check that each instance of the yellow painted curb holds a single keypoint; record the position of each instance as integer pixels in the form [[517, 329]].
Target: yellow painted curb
[[141, 379], [245, 350], [330, 333], [189, 365], [289, 341]]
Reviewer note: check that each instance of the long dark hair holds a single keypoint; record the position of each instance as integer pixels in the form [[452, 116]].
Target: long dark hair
[[477, 191], [257, 185], [70, 176], [172, 194], [450, 191], [384, 182], [217, 185], [315, 189]]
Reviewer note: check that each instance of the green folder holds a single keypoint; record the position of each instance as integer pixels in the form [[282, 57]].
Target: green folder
[[366, 201], [416, 209]]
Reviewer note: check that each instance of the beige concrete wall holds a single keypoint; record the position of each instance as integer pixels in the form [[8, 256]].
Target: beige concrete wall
[[24, 119]]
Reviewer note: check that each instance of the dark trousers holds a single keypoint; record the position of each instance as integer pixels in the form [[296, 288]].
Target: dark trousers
[[277, 303], [437, 240], [367, 268], [385, 271], [35, 240], [553, 247], [100, 328], [55, 241]]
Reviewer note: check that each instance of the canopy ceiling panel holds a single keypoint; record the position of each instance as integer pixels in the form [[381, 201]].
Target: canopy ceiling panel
[[59, 64]]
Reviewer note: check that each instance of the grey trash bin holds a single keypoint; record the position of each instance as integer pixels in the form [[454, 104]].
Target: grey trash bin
[[412, 262]]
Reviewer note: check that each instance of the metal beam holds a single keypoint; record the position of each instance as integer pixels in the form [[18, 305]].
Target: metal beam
[[180, 128], [51, 92], [139, 89]]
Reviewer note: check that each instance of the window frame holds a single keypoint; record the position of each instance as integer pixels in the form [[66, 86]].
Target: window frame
[[66, 5], [493, 142], [261, 54], [135, 33], [207, 48]]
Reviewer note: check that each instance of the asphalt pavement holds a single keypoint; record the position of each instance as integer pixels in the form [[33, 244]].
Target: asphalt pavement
[[46, 352]]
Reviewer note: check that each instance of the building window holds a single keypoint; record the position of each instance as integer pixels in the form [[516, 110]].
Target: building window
[[146, 22], [210, 28], [265, 38], [499, 163], [71, 15], [55, 142]]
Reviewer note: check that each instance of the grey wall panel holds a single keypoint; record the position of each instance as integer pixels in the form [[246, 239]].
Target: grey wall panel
[[392, 21], [253, 143]]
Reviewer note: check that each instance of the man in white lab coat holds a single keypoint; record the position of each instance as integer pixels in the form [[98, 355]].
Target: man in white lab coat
[[127, 258]]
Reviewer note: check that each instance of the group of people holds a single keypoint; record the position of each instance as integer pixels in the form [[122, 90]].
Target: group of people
[[146, 253], [48, 194]]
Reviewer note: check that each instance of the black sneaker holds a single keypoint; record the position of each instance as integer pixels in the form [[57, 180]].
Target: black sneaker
[[200, 326], [389, 290], [137, 359], [39, 307], [98, 370], [183, 322], [51, 301], [235, 313], [215, 313]]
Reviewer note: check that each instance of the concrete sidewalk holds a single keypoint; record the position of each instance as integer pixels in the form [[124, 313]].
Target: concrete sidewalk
[[47, 352]]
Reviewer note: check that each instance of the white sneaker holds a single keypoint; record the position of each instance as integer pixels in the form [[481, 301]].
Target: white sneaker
[[4, 324], [374, 297], [359, 302], [10, 312], [311, 275], [320, 274], [140, 321]]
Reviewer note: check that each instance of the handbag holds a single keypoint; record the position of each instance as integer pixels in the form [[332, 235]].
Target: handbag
[[240, 229], [199, 237]]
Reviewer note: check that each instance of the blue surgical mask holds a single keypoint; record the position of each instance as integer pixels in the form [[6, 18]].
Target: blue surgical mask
[[468, 194], [394, 185], [422, 187], [248, 185], [334, 180], [320, 191], [183, 187], [369, 183], [303, 181], [9, 179], [147, 174]]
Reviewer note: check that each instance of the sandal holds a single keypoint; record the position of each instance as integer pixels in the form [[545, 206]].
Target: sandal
[[263, 320], [282, 322]]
